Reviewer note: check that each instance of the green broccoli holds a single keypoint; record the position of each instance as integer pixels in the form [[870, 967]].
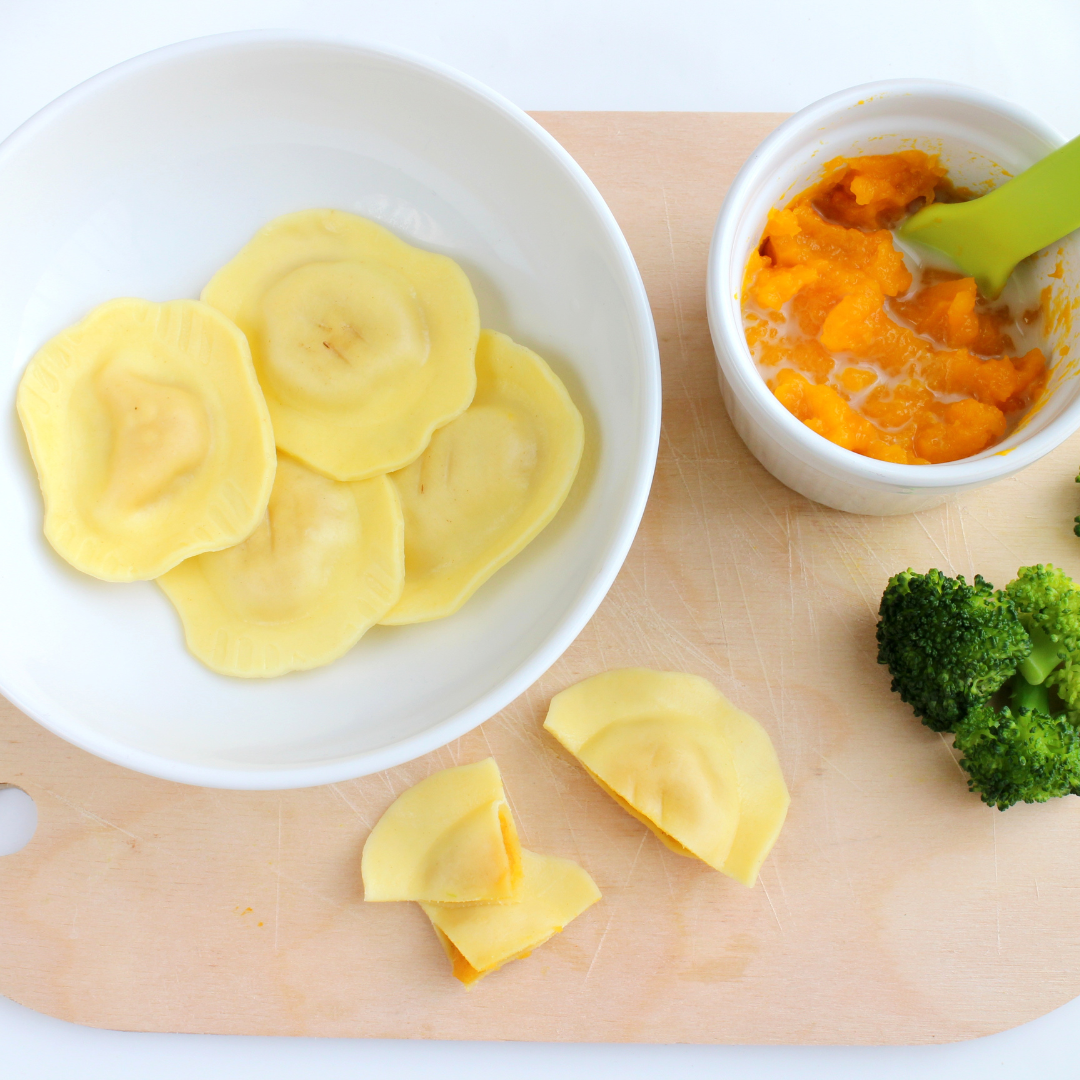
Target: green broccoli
[[949, 646], [1066, 682], [1049, 605], [1019, 754]]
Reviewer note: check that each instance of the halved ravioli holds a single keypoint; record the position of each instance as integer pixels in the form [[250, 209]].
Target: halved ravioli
[[449, 839], [488, 482], [479, 940], [363, 344], [150, 436], [675, 753], [324, 564]]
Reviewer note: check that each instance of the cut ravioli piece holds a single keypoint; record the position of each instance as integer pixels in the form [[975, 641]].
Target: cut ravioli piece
[[449, 839], [363, 344], [325, 564], [479, 940], [675, 753], [488, 482], [150, 436]]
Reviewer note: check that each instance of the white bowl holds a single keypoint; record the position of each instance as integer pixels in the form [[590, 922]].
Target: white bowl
[[146, 179], [978, 138]]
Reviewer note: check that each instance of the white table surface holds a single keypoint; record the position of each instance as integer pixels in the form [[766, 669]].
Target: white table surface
[[763, 55]]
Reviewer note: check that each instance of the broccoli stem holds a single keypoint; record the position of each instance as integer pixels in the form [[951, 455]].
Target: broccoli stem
[[1044, 657], [1025, 695]]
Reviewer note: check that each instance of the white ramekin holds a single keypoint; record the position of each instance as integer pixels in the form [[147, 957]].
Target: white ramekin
[[978, 138]]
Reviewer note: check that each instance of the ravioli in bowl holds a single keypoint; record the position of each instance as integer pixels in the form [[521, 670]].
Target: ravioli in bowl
[[150, 436], [252, 132], [364, 344]]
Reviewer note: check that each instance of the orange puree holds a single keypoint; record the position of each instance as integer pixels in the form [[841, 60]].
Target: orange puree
[[911, 371]]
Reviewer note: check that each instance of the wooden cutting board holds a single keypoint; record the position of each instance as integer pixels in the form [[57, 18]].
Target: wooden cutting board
[[896, 908]]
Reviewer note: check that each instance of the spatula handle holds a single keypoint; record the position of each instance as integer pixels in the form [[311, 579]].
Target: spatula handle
[[1039, 206]]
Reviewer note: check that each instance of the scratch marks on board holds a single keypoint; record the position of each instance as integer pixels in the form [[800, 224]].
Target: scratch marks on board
[[640, 627], [92, 816], [954, 516], [933, 540], [861, 790], [277, 882], [637, 854], [673, 281], [951, 754], [336, 789], [850, 540], [766, 669], [994, 533], [997, 887], [599, 946], [772, 907]]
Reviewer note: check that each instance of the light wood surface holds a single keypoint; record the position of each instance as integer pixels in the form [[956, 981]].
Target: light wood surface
[[896, 908]]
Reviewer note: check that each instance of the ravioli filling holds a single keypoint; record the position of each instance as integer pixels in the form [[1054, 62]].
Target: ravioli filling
[[677, 755]]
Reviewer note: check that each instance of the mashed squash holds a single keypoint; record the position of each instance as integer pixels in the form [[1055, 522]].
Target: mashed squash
[[913, 370]]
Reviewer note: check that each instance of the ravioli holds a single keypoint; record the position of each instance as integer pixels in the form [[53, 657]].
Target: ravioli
[[449, 839], [150, 436], [324, 564], [479, 940], [488, 482], [363, 344], [675, 753]]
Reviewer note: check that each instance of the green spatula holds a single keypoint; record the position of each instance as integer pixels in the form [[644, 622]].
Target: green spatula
[[987, 237]]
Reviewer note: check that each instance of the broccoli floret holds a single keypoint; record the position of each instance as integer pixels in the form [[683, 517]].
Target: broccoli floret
[[1049, 606], [1066, 681], [948, 645], [1019, 754]]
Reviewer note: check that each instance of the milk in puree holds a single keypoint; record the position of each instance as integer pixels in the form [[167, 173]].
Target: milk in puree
[[874, 352]]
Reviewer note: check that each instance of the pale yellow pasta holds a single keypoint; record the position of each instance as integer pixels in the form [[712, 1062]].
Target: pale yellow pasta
[[450, 839], [363, 344], [479, 940], [150, 435], [675, 753], [325, 563], [488, 482]]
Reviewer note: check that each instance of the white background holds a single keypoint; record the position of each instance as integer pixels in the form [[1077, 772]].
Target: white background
[[769, 55]]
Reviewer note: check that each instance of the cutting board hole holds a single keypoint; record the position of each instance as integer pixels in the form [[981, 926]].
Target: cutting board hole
[[18, 819]]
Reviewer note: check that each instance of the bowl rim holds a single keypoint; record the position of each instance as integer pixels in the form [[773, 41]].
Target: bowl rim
[[733, 355], [642, 465]]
